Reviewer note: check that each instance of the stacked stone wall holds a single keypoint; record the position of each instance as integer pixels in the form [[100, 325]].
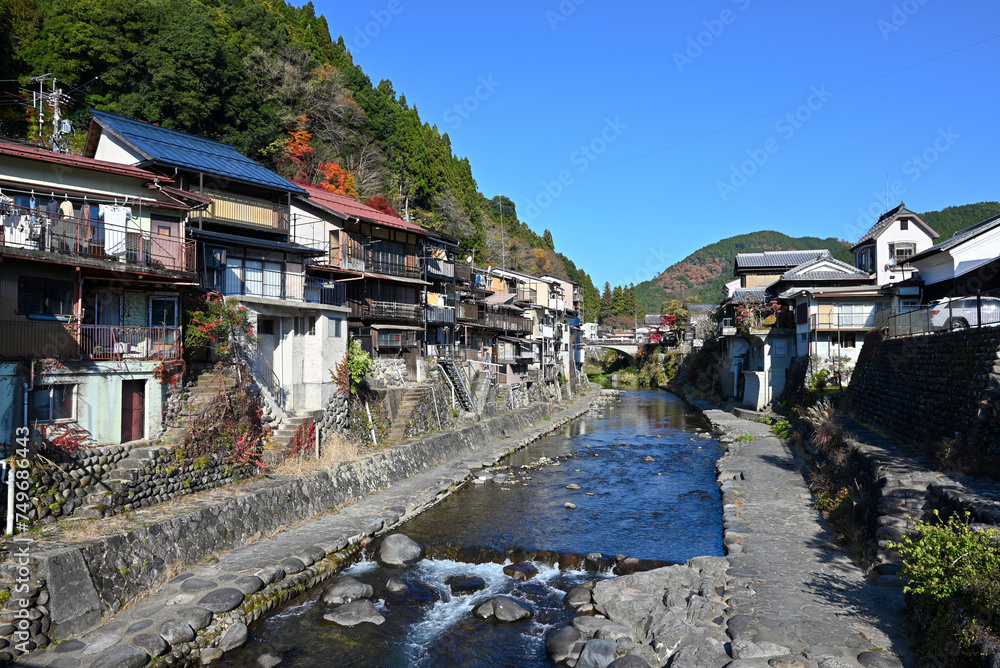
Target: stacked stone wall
[[433, 411], [931, 388], [387, 373]]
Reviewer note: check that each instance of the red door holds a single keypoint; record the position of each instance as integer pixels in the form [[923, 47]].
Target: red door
[[133, 410]]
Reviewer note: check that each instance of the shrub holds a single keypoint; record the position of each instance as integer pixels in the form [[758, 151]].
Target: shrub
[[819, 380], [782, 428]]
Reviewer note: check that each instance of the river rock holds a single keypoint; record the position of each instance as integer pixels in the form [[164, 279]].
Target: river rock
[[233, 637], [345, 590], [746, 649], [524, 570], [465, 584], [412, 593], [879, 660], [268, 660], [176, 631], [564, 643], [354, 613], [399, 550], [579, 599], [150, 643], [614, 632], [597, 654], [121, 657], [503, 608], [572, 486], [569, 506], [221, 600], [396, 585], [629, 661]]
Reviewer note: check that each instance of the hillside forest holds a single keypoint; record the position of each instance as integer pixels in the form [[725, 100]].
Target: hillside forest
[[268, 78]]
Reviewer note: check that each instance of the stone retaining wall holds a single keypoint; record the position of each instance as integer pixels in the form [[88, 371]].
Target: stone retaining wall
[[387, 373], [931, 388], [82, 584]]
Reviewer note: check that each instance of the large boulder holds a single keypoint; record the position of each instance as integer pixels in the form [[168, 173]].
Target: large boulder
[[597, 653], [345, 590], [504, 609], [354, 613], [399, 550], [465, 584], [564, 643]]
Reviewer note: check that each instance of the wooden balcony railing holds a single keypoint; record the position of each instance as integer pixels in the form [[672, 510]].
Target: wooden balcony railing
[[245, 210], [440, 315], [74, 237], [440, 268]]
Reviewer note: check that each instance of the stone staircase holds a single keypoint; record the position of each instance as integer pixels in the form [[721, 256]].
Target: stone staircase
[[208, 385], [283, 432], [407, 405]]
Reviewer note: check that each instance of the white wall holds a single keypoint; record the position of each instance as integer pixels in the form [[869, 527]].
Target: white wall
[[961, 259], [892, 234]]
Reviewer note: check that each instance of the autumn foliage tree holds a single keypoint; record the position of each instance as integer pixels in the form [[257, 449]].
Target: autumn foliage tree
[[307, 169]]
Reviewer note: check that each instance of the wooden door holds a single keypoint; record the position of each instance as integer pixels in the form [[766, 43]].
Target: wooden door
[[133, 410]]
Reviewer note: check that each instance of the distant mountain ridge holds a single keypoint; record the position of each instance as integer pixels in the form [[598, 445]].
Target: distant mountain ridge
[[700, 277]]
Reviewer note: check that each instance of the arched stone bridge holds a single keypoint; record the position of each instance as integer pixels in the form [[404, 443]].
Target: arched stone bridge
[[630, 350]]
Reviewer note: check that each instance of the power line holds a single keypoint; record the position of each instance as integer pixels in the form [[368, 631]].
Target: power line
[[776, 112]]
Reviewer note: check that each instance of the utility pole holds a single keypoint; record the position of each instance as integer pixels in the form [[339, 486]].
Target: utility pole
[[503, 243], [55, 98]]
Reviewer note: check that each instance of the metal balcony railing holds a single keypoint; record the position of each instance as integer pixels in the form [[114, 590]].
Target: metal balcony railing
[[402, 267], [74, 237], [440, 315], [842, 320], [319, 291], [110, 342]]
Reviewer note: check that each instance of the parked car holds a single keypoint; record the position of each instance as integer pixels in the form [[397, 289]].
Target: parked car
[[961, 312]]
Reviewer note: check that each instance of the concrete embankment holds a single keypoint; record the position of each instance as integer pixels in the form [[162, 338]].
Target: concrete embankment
[[205, 610]]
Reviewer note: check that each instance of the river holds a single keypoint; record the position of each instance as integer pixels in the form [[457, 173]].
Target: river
[[647, 490]]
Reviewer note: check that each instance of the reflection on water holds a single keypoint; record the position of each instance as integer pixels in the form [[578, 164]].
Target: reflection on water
[[647, 490]]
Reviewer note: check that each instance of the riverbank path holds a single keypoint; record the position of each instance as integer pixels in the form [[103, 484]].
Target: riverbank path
[[809, 596]]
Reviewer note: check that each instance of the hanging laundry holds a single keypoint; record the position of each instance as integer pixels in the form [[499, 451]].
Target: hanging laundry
[[116, 218], [85, 232], [97, 225]]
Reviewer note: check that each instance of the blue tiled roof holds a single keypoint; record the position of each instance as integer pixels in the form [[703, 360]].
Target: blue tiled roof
[[177, 149]]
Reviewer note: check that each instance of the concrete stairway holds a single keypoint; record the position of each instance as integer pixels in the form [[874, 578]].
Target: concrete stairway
[[283, 433], [407, 405]]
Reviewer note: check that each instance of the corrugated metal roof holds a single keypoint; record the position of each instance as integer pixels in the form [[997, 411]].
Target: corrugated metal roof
[[32, 153], [177, 149], [960, 237], [778, 259], [348, 207], [273, 244]]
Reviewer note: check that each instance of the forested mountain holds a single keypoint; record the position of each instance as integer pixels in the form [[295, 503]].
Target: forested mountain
[[266, 77], [954, 218], [700, 277]]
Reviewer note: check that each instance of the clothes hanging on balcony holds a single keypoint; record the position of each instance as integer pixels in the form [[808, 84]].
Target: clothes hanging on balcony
[[97, 226], [117, 219]]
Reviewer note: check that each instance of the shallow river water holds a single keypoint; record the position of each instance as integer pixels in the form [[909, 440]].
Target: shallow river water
[[647, 490]]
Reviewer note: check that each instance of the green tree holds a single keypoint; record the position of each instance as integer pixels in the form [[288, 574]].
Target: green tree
[[547, 240], [607, 302]]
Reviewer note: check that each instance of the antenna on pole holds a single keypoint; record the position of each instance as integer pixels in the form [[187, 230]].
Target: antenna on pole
[[58, 142], [887, 192], [503, 243]]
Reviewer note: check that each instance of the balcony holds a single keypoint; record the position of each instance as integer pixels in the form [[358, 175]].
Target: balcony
[[319, 291], [839, 321], [252, 212], [116, 342], [437, 268], [526, 295], [76, 238], [440, 315], [557, 304], [48, 339], [467, 313], [406, 268], [392, 312]]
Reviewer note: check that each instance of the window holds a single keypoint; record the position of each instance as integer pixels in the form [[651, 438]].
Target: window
[[50, 403], [312, 325], [162, 311], [900, 251], [780, 349], [848, 340], [333, 329], [265, 326], [45, 296], [803, 337], [904, 225]]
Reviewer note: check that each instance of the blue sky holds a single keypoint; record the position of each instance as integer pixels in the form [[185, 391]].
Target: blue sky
[[639, 132]]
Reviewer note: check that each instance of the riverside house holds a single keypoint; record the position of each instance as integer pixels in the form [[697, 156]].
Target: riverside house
[[245, 252], [93, 257]]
